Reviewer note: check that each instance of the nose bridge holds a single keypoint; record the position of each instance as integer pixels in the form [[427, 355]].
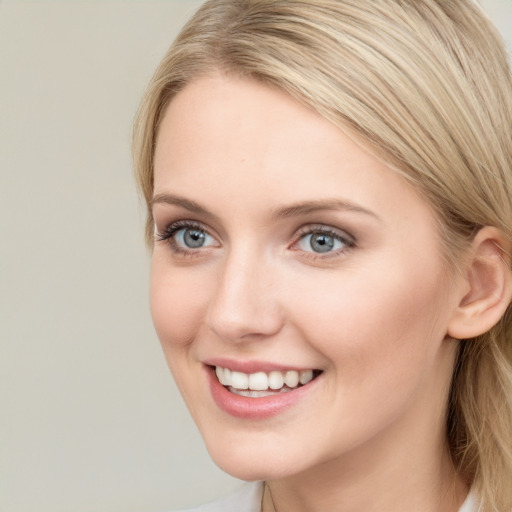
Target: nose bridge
[[244, 305]]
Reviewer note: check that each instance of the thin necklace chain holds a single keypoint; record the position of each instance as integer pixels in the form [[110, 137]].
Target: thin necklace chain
[[267, 487]]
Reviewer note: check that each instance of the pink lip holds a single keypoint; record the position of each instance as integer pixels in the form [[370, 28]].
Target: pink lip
[[254, 408], [251, 366]]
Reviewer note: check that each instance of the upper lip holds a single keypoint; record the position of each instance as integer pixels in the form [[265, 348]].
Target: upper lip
[[252, 366]]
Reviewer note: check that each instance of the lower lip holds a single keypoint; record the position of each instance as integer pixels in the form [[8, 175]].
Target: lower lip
[[255, 408]]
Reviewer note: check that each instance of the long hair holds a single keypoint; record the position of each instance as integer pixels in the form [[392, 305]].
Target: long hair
[[427, 87]]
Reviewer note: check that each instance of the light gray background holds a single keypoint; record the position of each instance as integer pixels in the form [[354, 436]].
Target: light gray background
[[90, 418]]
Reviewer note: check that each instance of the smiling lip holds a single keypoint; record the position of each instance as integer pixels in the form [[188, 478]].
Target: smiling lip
[[250, 407], [250, 366]]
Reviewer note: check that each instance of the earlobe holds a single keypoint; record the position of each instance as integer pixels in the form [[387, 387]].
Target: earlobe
[[488, 284]]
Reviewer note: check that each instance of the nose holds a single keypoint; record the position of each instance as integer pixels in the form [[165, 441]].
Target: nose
[[245, 306]]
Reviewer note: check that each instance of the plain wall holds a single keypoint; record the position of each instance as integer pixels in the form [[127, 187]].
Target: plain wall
[[90, 418]]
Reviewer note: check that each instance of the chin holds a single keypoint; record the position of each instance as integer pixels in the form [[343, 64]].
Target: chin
[[250, 470], [255, 459]]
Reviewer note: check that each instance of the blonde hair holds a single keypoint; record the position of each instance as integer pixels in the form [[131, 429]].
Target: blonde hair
[[426, 85]]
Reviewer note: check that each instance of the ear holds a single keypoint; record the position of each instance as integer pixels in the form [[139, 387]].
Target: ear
[[487, 287]]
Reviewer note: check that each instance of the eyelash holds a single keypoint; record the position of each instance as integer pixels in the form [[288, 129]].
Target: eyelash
[[168, 236], [347, 240]]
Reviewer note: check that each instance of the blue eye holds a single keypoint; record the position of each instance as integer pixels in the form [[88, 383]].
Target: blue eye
[[192, 238], [322, 242], [185, 236]]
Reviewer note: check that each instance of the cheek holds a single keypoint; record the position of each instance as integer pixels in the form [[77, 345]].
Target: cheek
[[178, 303], [379, 322]]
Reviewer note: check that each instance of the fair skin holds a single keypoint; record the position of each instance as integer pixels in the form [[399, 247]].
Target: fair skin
[[283, 245]]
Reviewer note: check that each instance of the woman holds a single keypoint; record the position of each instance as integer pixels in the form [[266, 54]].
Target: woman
[[329, 189]]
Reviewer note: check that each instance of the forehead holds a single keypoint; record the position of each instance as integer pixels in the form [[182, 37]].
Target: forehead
[[232, 142]]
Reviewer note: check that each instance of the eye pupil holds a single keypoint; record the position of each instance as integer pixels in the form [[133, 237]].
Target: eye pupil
[[193, 238], [320, 242]]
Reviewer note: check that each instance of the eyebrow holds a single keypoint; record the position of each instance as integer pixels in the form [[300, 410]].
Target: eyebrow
[[294, 210], [308, 207], [188, 204]]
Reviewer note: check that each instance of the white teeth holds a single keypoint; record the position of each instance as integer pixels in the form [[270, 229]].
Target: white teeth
[[291, 379], [275, 380], [239, 380], [260, 382], [305, 376], [219, 371], [256, 394]]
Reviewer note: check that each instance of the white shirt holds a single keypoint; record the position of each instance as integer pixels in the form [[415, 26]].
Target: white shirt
[[248, 499]]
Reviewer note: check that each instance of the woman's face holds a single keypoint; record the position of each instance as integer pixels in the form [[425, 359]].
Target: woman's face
[[285, 252]]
